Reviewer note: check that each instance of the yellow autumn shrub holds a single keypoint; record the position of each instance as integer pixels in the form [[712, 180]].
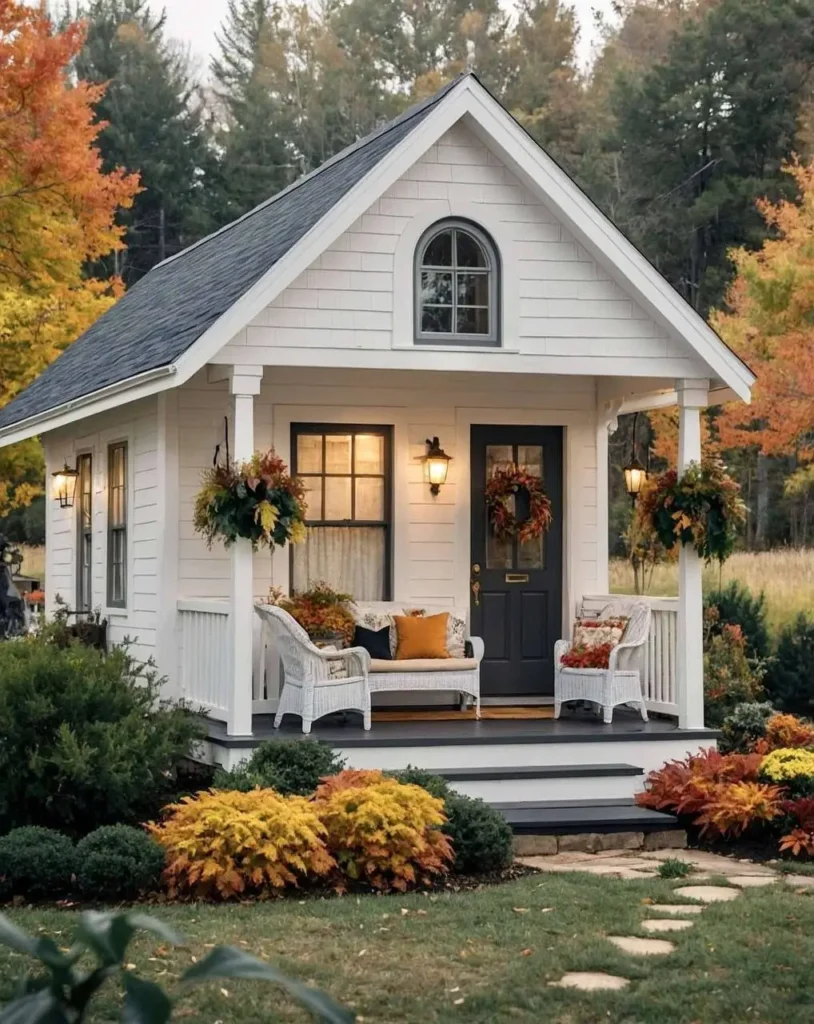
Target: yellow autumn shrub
[[788, 764], [222, 844], [384, 832]]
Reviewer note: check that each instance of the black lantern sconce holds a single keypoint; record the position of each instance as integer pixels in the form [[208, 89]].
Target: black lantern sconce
[[635, 472], [436, 465], [65, 485]]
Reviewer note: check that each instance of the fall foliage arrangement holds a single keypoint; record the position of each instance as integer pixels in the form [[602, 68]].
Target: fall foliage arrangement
[[503, 486], [257, 500], [321, 611], [702, 507]]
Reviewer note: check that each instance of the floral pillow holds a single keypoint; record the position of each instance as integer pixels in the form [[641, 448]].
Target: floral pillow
[[588, 657], [598, 632]]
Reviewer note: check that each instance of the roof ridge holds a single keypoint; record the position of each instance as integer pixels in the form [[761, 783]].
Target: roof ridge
[[353, 147]]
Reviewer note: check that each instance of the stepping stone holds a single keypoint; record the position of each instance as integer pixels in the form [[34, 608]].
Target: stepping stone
[[679, 909], [751, 881], [707, 893], [590, 981], [800, 881], [642, 947], [667, 924], [711, 863]]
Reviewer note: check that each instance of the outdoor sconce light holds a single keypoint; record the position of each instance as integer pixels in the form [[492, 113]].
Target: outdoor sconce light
[[436, 464], [635, 473], [65, 485]]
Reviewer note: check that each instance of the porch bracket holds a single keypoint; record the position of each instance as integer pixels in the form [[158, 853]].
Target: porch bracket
[[244, 385], [693, 396]]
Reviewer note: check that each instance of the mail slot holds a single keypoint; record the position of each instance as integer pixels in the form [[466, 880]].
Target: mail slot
[[517, 577]]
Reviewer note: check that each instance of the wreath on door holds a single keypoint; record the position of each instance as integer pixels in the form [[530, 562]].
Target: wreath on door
[[501, 488]]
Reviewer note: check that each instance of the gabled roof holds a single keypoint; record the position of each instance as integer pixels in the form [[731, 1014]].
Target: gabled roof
[[182, 313], [166, 312]]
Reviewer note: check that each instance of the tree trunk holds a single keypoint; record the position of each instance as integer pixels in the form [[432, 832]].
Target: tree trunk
[[762, 520]]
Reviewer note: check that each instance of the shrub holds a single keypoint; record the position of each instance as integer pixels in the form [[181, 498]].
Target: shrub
[[738, 606], [322, 612], [117, 862], [435, 785], [729, 677], [481, 838], [799, 827], [788, 731], [792, 768], [744, 726], [350, 778], [685, 787], [674, 868], [36, 862], [790, 677], [86, 740], [224, 844], [384, 832], [735, 806], [292, 767]]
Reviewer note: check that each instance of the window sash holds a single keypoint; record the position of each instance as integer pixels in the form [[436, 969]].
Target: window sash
[[117, 525], [383, 524], [84, 543]]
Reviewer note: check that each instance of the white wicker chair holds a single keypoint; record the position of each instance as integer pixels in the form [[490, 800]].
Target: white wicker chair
[[620, 682], [309, 689]]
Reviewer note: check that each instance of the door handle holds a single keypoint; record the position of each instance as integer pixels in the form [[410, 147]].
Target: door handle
[[476, 591]]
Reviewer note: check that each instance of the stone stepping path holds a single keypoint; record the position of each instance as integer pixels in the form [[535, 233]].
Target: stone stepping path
[[751, 881], [707, 893], [590, 981], [642, 947], [675, 908], [667, 924]]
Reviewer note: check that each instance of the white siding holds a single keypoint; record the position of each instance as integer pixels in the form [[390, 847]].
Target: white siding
[[558, 302], [431, 535], [137, 425]]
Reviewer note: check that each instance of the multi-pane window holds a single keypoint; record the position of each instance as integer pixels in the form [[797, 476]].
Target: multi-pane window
[[347, 476], [117, 525], [84, 540], [456, 286]]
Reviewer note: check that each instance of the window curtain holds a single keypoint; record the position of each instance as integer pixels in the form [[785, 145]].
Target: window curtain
[[351, 559]]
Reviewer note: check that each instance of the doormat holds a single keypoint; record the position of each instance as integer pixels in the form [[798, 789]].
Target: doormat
[[451, 715]]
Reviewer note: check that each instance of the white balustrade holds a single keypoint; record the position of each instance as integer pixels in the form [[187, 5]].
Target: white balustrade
[[659, 658], [204, 668]]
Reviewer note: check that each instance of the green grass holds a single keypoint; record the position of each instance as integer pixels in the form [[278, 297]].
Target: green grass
[[496, 949], [672, 868]]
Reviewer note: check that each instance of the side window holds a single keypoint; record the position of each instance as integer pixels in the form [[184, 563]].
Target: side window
[[84, 535], [117, 525], [456, 287]]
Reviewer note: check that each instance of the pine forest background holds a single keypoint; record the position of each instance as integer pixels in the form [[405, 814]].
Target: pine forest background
[[684, 129]]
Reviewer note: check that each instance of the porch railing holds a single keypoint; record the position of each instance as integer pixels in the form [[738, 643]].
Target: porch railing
[[658, 663], [204, 669]]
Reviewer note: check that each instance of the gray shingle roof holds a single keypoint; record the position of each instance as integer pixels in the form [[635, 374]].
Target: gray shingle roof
[[166, 312]]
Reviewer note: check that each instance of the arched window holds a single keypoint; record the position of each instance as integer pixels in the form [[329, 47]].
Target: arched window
[[456, 286]]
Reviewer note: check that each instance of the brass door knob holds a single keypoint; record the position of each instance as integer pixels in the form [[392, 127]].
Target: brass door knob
[[476, 591]]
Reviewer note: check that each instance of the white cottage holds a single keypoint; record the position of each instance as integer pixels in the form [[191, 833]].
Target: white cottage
[[441, 278]]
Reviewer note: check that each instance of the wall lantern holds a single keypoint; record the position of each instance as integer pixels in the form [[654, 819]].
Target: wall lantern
[[65, 485], [436, 465], [635, 472]]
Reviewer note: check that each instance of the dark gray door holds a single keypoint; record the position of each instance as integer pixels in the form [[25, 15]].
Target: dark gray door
[[516, 589]]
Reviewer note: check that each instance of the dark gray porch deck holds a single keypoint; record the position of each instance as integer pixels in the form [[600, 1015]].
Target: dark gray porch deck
[[345, 730]]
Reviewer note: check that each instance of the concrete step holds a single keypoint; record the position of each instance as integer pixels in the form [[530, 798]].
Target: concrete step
[[563, 817], [546, 783]]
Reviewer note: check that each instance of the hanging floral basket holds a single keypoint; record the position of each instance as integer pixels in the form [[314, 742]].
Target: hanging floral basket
[[256, 500], [703, 508], [501, 488]]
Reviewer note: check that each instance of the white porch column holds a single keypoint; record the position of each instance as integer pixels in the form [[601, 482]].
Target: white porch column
[[693, 396], [244, 384]]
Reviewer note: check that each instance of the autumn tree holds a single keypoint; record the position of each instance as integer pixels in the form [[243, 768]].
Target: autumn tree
[[57, 212]]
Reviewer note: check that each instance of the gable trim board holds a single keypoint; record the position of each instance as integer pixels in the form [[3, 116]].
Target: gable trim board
[[464, 100]]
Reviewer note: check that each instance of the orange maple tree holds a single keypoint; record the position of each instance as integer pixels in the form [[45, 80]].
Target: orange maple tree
[[769, 324], [57, 212]]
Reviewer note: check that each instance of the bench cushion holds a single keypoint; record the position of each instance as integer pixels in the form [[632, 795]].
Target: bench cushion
[[424, 665]]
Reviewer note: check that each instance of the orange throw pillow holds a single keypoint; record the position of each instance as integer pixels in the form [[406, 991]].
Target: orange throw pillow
[[421, 637]]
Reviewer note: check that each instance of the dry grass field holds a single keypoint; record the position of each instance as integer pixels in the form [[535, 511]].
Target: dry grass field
[[785, 576]]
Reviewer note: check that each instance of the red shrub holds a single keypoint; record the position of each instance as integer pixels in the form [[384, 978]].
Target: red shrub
[[733, 806]]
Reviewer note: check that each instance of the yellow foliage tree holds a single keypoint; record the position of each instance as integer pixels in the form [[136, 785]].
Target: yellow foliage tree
[[57, 212]]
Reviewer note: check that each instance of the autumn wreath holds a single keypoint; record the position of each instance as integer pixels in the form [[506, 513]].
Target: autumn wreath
[[507, 483]]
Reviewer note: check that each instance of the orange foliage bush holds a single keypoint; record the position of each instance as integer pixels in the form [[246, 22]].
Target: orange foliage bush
[[785, 731], [800, 818], [222, 843], [383, 832], [732, 807]]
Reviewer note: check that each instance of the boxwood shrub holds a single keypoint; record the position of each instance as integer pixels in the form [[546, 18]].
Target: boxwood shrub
[[36, 863], [118, 862], [292, 767]]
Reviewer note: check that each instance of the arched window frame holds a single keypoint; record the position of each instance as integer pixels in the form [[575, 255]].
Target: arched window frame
[[492, 338]]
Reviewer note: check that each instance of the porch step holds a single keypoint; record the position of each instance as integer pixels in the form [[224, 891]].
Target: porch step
[[546, 783], [561, 817]]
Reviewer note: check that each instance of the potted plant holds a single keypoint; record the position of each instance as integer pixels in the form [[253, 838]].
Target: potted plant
[[257, 500], [323, 613]]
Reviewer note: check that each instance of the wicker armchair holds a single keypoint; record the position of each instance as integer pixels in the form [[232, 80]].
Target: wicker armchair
[[310, 689], [620, 682]]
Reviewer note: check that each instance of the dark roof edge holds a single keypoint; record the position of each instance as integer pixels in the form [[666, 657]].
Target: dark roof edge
[[407, 115]]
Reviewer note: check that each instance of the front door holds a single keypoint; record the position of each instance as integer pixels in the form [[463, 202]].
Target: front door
[[516, 589]]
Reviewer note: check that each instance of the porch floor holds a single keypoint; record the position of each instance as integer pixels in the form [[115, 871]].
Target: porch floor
[[345, 730]]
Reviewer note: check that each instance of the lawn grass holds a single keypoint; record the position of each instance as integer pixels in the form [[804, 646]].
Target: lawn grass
[[786, 577], [496, 949]]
